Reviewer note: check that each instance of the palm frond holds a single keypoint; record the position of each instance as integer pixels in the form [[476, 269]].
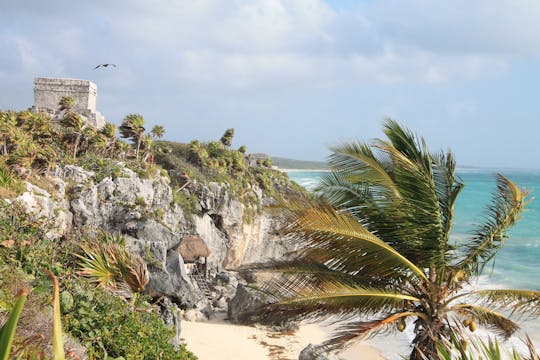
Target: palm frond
[[357, 330], [301, 301], [358, 164], [521, 302], [488, 318], [111, 266], [505, 209], [447, 186], [421, 210], [342, 243]]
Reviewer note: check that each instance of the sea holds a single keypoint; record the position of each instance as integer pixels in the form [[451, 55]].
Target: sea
[[517, 264]]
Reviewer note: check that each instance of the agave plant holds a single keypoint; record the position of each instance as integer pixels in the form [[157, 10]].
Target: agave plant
[[375, 249], [7, 332], [477, 348]]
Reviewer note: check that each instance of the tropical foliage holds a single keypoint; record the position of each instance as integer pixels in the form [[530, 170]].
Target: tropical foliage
[[132, 128], [376, 251], [111, 266], [227, 137]]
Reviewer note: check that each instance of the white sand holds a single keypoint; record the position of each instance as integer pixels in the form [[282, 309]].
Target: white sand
[[221, 340]]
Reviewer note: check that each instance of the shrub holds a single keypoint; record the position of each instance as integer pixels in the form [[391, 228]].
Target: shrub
[[107, 327]]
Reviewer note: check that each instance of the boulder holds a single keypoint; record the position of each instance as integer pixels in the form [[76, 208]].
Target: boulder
[[175, 284], [313, 352], [246, 305], [194, 315]]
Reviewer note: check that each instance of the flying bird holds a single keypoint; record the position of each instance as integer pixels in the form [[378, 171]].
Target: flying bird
[[104, 65]]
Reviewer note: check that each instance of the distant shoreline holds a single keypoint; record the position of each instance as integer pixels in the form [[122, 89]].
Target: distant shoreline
[[301, 170]]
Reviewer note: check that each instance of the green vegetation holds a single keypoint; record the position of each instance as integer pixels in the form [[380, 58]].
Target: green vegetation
[[109, 328], [7, 332], [377, 243], [482, 349], [199, 163], [227, 137], [133, 128], [105, 324], [66, 103]]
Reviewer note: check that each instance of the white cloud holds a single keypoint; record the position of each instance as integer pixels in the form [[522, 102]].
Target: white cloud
[[244, 44]]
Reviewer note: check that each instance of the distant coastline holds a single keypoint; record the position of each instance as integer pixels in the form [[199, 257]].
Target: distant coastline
[[302, 170]]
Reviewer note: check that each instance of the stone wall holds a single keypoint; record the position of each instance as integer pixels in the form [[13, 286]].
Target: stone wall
[[49, 91]]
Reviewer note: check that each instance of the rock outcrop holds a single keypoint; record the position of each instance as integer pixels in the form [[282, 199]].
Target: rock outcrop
[[246, 304], [144, 211]]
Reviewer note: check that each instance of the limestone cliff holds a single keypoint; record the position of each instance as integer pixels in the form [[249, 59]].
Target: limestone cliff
[[145, 211]]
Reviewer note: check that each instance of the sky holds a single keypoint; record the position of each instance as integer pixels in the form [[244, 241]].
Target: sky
[[294, 77]]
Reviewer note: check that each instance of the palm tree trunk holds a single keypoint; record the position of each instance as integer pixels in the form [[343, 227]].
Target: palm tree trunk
[[139, 140], [427, 336], [76, 145]]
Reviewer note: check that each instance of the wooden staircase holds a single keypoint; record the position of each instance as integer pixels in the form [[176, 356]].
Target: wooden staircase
[[202, 283]]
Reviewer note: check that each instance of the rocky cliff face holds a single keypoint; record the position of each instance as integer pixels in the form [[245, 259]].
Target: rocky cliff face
[[143, 209]]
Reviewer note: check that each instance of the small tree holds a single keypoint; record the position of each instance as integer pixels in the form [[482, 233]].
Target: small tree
[[109, 131], [66, 103], [158, 131], [242, 149], [132, 127], [75, 123], [227, 137]]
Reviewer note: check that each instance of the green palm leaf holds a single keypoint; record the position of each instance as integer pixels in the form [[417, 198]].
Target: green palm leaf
[[506, 208], [344, 243], [521, 302], [489, 318], [357, 330]]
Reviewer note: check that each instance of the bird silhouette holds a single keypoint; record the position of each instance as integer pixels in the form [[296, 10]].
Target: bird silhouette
[[104, 66]]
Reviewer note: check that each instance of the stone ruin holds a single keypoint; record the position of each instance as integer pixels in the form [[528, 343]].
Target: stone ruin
[[49, 91]]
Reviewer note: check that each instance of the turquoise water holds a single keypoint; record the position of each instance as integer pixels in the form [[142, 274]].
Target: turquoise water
[[517, 265]]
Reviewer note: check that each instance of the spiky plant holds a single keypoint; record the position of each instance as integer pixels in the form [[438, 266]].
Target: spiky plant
[[376, 250], [477, 348], [112, 267]]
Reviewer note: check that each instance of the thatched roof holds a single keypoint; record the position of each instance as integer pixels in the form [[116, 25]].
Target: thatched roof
[[193, 246]]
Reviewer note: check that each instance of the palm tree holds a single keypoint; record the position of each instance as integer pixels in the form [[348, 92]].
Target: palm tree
[[66, 103], [8, 125], [147, 146], [227, 137], [158, 131], [132, 127], [75, 123], [375, 249], [109, 131]]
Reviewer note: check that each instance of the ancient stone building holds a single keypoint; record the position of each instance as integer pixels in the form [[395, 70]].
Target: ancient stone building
[[49, 91]]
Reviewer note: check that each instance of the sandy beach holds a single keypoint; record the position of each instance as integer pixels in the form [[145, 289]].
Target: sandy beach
[[219, 339]]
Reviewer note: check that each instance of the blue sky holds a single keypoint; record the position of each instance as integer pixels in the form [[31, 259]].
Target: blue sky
[[295, 76]]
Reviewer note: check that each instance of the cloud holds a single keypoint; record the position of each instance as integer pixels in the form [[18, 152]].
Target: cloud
[[245, 44]]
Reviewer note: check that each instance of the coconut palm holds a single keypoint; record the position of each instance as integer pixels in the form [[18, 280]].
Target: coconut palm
[[132, 127], [376, 253]]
